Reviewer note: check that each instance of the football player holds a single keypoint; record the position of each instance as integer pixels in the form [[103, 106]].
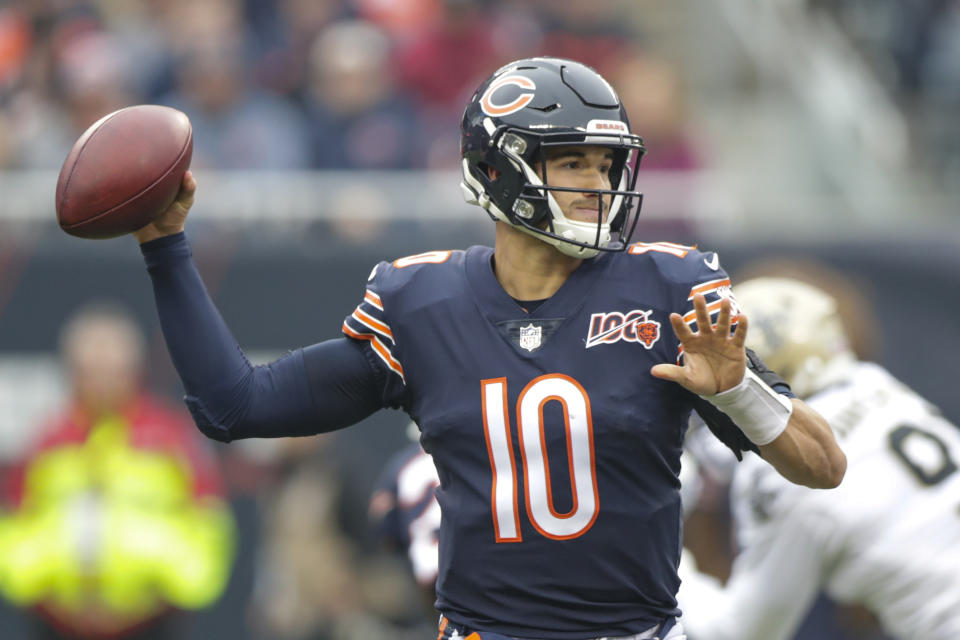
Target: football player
[[887, 539], [405, 514], [543, 372]]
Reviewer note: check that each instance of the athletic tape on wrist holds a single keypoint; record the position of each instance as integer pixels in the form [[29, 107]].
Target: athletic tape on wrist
[[760, 412]]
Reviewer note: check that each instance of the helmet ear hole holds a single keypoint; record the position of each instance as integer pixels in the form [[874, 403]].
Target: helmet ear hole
[[490, 171]]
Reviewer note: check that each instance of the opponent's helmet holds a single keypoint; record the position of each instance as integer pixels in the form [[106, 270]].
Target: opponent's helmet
[[796, 330], [518, 113]]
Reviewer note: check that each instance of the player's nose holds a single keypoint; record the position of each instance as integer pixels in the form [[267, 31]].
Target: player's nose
[[595, 179]]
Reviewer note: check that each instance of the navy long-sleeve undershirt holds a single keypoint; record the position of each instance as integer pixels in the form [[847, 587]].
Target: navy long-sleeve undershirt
[[327, 386]]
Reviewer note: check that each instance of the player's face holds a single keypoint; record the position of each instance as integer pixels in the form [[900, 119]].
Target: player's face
[[586, 167]]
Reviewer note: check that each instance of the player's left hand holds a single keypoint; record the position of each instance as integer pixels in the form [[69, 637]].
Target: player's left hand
[[713, 359]]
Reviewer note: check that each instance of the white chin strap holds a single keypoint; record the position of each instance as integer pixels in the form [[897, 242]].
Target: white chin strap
[[576, 231], [572, 250], [585, 232]]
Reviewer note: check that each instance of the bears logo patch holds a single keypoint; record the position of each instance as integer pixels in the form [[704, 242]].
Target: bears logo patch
[[613, 326]]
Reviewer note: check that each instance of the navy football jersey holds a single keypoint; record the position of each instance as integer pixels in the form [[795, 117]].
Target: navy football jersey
[[405, 513], [557, 451]]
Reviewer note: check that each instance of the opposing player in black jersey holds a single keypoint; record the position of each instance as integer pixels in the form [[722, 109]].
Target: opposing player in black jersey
[[551, 376]]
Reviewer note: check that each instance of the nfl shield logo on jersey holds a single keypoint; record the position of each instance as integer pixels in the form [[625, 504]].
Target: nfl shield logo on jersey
[[530, 337]]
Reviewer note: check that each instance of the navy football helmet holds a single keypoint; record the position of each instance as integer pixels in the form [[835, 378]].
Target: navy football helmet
[[516, 115]]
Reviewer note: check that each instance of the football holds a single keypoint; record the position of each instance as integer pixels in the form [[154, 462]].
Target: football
[[124, 171]]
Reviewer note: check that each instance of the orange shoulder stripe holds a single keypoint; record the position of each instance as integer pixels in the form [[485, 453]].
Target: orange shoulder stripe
[[373, 299], [381, 350], [672, 248], [691, 316], [366, 319], [707, 287]]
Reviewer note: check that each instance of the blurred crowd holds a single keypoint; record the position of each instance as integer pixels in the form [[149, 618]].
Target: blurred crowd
[[381, 84], [302, 84], [914, 46], [914, 49]]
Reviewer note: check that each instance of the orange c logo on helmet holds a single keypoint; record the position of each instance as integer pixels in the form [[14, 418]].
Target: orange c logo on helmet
[[493, 109]]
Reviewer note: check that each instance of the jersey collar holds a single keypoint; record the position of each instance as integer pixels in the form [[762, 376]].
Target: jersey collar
[[497, 305]]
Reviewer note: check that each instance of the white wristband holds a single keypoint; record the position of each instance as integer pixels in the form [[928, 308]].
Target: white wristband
[[760, 412]]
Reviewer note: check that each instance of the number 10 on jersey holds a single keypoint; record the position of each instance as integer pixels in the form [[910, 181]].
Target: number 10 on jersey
[[532, 438]]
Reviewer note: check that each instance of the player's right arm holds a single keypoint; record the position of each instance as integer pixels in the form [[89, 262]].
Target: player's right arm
[[323, 387]]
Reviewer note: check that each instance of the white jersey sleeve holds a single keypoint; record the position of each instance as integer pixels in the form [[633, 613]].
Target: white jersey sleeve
[[771, 587]]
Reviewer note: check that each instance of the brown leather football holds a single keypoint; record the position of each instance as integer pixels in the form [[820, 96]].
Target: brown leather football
[[124, 171]]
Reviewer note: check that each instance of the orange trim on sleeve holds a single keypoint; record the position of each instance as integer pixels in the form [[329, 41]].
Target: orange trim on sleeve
[[691, 316], [672, 248], [368, 320], [373, 299], [381, 350], [707, 287]]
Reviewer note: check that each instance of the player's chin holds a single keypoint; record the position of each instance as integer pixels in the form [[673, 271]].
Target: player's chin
[[585, 215]]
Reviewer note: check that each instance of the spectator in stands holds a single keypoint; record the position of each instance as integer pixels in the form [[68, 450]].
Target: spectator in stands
[[116, 519], [402, 20], [285, 36], [235, 124], [94, 77], [89, 76], [443, 62], [595, 33], [15, 40], [651, 90], [359, 119]]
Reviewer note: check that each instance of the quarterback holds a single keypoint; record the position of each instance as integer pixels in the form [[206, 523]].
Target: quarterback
[[544, 373], [888, 538]]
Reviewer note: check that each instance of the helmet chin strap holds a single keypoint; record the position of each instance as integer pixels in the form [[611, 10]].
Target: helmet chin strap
[[569, 231], [566, 248]]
